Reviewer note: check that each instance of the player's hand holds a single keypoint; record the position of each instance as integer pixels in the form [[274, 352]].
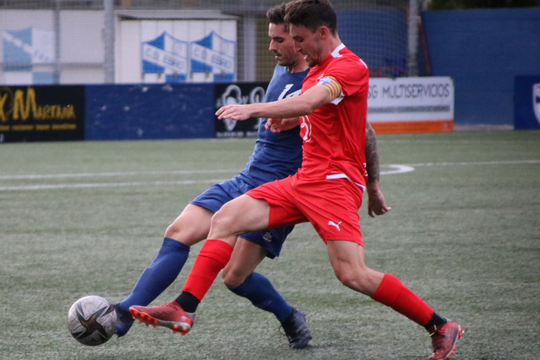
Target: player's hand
[[279, 125], [234, 112], [376, 203]]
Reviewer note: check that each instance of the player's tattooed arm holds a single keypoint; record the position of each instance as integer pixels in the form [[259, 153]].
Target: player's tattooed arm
[[376, 201], [372, 157]]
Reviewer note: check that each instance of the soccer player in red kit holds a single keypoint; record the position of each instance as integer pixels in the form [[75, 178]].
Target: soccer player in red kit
[[326, 191]]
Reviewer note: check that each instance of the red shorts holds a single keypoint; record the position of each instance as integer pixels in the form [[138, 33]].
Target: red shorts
[[330, 205]]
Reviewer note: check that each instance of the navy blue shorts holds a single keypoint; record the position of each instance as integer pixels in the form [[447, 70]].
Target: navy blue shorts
[[219, 194]]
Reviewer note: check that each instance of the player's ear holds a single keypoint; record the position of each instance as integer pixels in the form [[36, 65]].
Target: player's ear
[[323, 32]]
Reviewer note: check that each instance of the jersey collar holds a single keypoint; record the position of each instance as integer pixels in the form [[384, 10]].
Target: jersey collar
[[336, 51]]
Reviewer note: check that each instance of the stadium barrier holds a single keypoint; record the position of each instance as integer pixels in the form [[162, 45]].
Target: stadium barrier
[[161, 111], [527, 102], [42, 113], [483, 50], [183, 111]]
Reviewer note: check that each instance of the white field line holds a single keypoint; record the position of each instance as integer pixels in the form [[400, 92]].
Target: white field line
[[101, 185], [479, 163], [398, 169], [395, 169], [112, 174]]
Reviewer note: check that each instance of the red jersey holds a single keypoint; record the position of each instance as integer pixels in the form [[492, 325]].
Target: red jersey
[[335, 134]]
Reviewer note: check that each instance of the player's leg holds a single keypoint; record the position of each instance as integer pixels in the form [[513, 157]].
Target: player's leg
[[334, 215], [240, 215], [244, 260], [249, 212], [244, 214], [347, 259], [190, 227], [178, 315], [240, 278]]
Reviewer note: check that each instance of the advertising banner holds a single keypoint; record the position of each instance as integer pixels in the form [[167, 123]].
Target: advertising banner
[[238, 93], [527, 102], [178, 51], [23, 50], [411, 105], [41, 113]]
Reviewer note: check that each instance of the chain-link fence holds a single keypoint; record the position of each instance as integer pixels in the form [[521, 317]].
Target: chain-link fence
[[148, 41]]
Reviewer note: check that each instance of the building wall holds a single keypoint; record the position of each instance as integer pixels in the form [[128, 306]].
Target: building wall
[[28, 39], [483, 51]]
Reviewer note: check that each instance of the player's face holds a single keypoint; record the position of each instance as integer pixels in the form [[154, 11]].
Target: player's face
[[308, 43], [282, 45]]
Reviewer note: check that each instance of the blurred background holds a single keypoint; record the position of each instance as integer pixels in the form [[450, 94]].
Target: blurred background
[[482, 45]]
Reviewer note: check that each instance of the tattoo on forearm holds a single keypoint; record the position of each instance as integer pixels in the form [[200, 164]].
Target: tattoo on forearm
[[372, 157]]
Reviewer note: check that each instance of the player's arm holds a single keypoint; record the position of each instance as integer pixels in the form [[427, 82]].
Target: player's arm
[[279, 125], [376, 201], [296, 106]]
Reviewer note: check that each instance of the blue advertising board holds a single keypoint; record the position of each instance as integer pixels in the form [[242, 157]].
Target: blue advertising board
[[164, 111], [527, 102]]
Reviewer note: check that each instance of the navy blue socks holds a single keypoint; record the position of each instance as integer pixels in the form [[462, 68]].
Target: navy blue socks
[[159, 275], [262, 294]]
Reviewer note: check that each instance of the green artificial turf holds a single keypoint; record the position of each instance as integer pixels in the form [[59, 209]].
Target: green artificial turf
[[84, 218]]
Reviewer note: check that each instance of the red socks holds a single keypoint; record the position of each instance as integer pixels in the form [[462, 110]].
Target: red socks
[[215, 254], [391, 292], [212, 258]]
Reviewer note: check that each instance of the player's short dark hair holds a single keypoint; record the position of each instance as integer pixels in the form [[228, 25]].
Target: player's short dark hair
[[312, 14], [276, 15]]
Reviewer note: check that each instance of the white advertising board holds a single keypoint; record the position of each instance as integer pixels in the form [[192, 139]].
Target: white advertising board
[[414, 104]]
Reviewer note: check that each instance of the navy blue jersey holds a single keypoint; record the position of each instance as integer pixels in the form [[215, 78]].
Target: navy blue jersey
[[276, 156]]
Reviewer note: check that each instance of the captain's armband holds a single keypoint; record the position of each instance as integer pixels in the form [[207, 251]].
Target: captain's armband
[[332, 85]]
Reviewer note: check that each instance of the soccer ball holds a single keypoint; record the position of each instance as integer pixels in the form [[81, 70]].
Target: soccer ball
[[92, 320]]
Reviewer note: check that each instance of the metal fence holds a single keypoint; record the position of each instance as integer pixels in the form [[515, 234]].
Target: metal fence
[[100, 41]]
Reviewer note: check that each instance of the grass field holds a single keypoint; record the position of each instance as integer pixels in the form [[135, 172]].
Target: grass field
[[86, 218]]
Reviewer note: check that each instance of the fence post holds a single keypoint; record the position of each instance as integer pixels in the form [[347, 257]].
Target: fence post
[[414, 19], [56, 25], [108, 36]]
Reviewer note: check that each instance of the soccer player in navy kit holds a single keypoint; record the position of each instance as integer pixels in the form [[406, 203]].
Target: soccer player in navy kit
[[277, 154]]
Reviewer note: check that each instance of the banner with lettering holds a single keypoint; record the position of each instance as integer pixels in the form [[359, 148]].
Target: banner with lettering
[[411, 105], [41, 113]]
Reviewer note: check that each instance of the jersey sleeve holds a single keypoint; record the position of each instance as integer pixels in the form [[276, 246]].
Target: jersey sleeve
[[351, 73]]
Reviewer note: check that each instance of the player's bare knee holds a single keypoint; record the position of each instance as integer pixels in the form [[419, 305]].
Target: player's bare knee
[[222, 224], [353, 281], [346, 279], [179, 233], [231, 279], [172, 230]]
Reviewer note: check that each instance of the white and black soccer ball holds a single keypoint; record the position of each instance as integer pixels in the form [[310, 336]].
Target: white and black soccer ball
[[92, 320]]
